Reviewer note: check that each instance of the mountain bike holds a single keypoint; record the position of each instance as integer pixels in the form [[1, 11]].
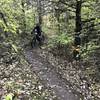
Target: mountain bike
[[37, 40]]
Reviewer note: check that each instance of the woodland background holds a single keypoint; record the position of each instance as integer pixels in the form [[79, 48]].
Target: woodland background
[[60, 20]]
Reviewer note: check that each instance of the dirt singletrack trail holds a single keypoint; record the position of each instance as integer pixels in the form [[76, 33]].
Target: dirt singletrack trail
[[48, 75]]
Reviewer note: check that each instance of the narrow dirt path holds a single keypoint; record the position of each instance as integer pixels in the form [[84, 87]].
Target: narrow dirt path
[[48, 75]]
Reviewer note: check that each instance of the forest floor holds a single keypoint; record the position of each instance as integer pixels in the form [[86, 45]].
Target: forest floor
[[49, 75], [69, 80], [39, 74], [18, 77]]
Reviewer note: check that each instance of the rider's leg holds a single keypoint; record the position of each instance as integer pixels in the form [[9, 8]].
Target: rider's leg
[[38, 39]]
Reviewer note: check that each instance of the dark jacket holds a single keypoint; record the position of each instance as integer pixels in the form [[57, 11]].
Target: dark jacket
[[37, 29]]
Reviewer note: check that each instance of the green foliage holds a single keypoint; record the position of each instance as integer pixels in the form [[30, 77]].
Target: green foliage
[[30, 20], [61, 39], [19, 19], [91, 47], [9, 96]]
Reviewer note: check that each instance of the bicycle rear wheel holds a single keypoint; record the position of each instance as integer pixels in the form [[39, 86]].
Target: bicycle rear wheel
[[33, 43]]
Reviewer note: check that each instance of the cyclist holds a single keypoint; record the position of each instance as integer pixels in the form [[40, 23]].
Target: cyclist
[[37, 34]]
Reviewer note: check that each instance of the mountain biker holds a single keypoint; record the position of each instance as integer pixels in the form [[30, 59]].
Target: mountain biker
[[37, 32], [76, 53], [76, 49], [77, 40]]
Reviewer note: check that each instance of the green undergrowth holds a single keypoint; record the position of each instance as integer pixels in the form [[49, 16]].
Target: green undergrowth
[[62, 39], [89, 50], [61, 45]]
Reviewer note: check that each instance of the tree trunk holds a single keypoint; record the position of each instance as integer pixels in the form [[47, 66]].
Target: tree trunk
[[23, 17], [39, 9], [78, 16]]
